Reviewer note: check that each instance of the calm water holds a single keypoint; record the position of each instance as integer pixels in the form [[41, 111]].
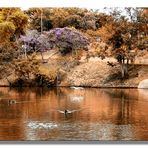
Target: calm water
[[101, 114]]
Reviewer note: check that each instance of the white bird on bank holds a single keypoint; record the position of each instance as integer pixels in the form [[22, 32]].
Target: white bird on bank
[[73, 87]]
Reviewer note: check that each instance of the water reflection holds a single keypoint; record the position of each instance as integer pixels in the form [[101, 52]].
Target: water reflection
[[40, 125], [76, 98], [104, 114]]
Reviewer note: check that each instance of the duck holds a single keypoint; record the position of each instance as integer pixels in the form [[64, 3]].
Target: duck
[[12, 102], [66, 111]]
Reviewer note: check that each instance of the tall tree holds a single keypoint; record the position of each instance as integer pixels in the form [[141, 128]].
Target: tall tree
[[125, 34], [13, 23], [15, 18]]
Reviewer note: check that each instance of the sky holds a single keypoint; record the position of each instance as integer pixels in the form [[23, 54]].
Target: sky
[[90, 4]]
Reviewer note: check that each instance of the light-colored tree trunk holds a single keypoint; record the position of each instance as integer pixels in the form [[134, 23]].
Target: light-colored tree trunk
[[41, 20], [124, 69], [42, 56], [25, 53]]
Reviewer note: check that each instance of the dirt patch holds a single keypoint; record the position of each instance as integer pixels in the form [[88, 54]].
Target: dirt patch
[[99, 74]]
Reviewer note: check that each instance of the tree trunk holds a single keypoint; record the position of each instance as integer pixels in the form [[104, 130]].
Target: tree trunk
[[25, 54], [8, 81], [42, 56], [124, 70]]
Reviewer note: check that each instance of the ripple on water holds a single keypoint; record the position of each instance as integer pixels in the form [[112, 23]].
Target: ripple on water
[[41, 125]]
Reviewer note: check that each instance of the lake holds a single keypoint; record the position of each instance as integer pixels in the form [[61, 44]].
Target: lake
[[96, 114]]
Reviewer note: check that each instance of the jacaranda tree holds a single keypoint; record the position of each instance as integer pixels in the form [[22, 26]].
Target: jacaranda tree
[[65, 39]]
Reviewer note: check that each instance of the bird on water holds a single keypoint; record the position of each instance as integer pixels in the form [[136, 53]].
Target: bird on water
[[11, 101], [66, 111]]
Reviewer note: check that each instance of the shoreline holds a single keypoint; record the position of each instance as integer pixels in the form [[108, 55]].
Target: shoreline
[[87, 76], [101, 87]]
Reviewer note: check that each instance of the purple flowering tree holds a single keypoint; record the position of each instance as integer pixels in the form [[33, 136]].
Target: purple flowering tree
[[29, 42], [65, 39], [33, 41]]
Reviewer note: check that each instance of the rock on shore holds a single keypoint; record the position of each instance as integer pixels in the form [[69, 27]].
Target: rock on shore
[[143, 84]]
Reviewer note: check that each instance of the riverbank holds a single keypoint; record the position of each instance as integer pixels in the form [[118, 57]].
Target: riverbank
[[92, 73], [99, 74]]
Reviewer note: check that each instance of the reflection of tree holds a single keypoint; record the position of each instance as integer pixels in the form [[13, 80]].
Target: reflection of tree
[[117, 93], [11, 118], [126, 104], [37, 92], [63, 96], [126, 108], [110, 113]]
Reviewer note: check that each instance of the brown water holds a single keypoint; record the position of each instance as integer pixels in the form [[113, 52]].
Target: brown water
[[101, 114]]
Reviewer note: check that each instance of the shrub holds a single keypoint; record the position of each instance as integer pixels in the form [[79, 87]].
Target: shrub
[[45, 76], [26, 68]]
